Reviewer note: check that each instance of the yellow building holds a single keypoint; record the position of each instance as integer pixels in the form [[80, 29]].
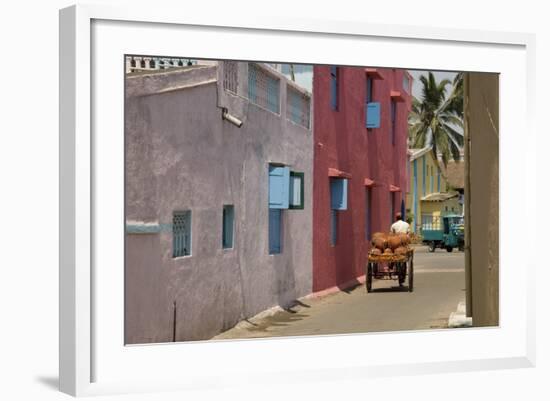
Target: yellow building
[[430, 194]]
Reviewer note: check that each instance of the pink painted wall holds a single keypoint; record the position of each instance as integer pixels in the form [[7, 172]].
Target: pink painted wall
[[342, 141]]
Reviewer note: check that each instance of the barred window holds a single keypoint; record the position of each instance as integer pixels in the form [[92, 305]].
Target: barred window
[[228, 219], [298, 105], [263, 88], [230, 77], [181, 234]]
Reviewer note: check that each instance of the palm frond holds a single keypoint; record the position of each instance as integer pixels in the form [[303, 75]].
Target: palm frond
[[456, 136], [453, 119]]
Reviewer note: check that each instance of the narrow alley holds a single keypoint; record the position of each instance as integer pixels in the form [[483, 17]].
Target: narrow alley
[[438, 288]]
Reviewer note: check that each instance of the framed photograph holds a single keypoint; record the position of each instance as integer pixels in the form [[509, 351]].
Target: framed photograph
[[248, 200]]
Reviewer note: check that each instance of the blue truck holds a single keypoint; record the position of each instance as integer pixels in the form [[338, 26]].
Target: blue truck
[[445, 232]]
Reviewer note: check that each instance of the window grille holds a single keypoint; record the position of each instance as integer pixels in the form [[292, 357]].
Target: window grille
[[230, 77], [132, 62], [181, 231], [298, 106], [263, 88], [142, 63]]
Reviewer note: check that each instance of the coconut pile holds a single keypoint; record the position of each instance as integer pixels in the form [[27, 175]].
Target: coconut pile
[[390, 244]]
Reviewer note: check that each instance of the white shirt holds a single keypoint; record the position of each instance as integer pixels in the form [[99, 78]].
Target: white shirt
[[400, 226]]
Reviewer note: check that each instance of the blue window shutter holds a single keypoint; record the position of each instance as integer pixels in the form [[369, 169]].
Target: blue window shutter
[[333, 227], [274, 231], [373, 115], [279, 182], [339, 194], [334, 87]]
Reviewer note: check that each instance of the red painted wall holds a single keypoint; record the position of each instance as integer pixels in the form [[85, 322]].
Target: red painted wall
[[342, 141]]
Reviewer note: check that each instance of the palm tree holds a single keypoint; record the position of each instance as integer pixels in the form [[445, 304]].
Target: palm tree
[[436, 121], [456, 103]]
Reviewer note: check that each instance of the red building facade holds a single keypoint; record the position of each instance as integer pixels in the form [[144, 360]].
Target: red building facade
[[360, 165]]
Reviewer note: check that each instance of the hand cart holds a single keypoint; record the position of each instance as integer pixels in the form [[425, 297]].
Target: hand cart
[[390, 267]]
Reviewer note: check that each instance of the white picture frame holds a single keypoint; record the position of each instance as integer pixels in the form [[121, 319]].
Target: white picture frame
[[90, 364]]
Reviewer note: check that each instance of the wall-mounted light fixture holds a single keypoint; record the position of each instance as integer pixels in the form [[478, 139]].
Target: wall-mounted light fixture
[[232, 119]]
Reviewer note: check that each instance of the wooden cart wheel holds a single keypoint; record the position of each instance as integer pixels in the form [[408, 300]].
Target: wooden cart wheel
[[411, 274], [368, 281]]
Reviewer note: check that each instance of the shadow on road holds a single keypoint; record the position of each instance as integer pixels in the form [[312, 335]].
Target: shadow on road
[[280, 319], [403, 288], [348, 289]]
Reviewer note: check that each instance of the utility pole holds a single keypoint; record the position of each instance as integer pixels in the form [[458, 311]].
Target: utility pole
[[482, 121]]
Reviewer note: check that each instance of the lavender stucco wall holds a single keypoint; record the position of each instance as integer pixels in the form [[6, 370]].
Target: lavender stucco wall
[[181, 155]]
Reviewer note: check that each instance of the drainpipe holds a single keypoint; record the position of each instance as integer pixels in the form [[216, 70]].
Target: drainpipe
[[467, 198]]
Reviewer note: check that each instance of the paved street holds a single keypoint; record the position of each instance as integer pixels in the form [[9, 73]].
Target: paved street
[[438, 288]]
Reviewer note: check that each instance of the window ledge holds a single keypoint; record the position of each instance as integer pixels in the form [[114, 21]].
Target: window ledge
[[373, 73], [397, 96], [334, 172]]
